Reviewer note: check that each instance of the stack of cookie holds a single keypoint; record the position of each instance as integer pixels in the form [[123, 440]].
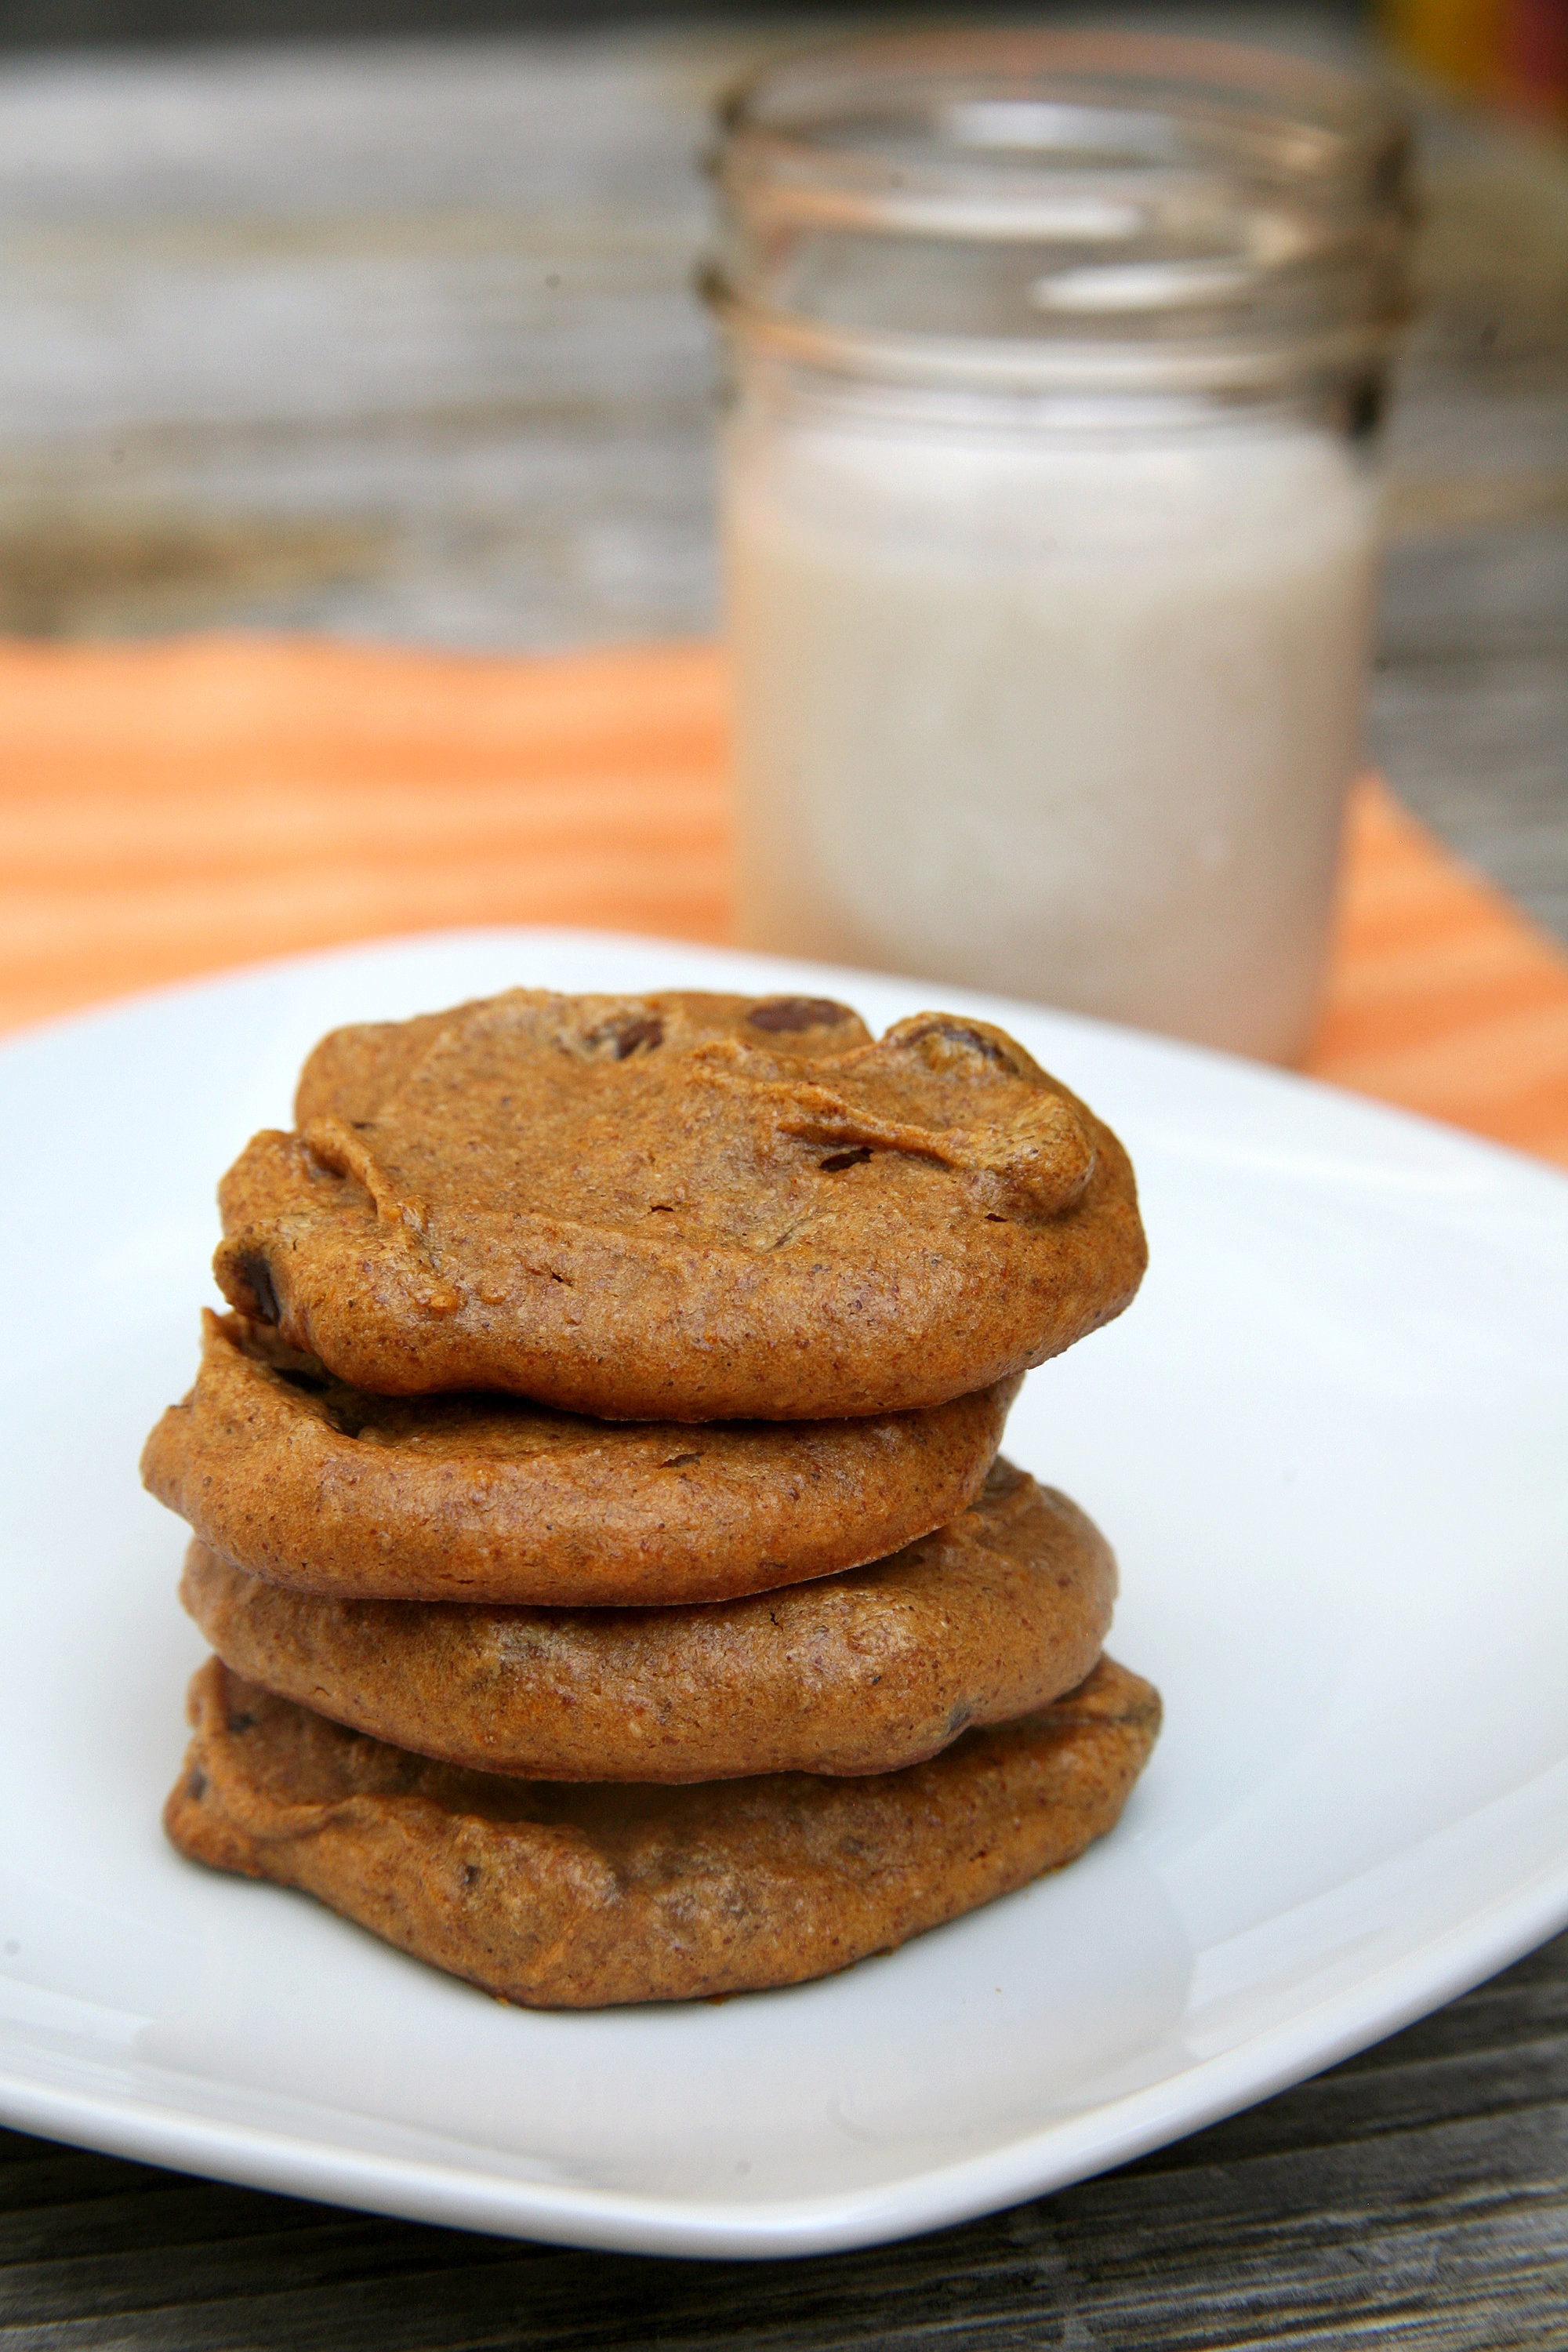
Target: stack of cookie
[[616, 1589]]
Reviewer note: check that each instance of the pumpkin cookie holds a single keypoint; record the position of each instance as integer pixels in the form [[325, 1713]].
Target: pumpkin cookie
[[573, 1898], [303, 1480], [681, 1207], [868, 1671]]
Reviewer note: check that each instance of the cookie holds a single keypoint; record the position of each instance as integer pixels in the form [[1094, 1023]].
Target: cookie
[[566, 1897], [681, 1207], [289, 1472], [867, 1672]]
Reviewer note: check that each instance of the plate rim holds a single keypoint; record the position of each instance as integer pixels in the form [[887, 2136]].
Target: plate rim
[[1097, 2138]]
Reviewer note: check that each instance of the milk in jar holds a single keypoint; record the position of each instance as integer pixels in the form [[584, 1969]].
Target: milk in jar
[[1050, 621]]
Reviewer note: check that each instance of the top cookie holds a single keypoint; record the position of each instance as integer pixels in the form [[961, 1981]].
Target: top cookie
[[681, 1207]]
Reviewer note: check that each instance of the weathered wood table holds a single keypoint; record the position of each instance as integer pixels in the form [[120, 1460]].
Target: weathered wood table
[[400, 344]]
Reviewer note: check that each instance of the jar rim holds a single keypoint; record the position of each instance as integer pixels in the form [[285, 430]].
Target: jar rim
[[990, 95], [1194, 205]]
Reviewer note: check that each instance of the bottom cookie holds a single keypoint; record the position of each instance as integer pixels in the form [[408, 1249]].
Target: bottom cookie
[[576, 1896]]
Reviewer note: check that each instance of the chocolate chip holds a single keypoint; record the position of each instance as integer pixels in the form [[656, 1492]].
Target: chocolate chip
[[986, 1047], [788, 1013], [196, 1783], [242, 1722], [256, 1275], [958, 1032], [623, 1034], [647, 1033], [836, 1160], [470, 1873]]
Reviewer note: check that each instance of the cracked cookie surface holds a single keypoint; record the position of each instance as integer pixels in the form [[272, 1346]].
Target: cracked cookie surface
[[681, 1206], [990, 1617], [560, 1895], [293, 1474]]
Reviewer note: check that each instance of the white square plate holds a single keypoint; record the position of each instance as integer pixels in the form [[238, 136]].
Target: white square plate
[[1330, 1443]]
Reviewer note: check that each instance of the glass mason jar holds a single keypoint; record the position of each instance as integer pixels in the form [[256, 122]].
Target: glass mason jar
[[1050, 535]]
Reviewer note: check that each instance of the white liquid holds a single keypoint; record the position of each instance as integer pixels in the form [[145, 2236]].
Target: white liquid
[[1072, 720]]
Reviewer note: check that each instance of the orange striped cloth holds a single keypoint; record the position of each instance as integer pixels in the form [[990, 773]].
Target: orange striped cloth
[[170, 809]]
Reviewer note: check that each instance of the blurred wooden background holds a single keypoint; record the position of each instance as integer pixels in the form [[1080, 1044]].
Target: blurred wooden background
[[398, 341]]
